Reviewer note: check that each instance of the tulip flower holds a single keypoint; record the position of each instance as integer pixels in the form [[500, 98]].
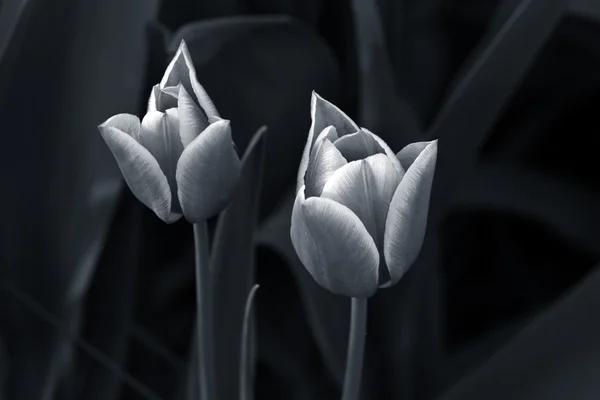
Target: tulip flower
[[360, 213], [180, 159]]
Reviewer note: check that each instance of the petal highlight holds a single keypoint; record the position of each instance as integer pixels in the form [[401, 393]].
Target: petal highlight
[[324, 160], [160, 136], [130, 124], [386, 149], [334, 246], [192, 120], [409, 153], [323, 114], [366, 187], [207, 172], [407, 217], [141, 172]]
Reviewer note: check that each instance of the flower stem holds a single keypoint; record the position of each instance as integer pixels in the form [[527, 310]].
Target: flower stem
[[356, 349], [204, 313]]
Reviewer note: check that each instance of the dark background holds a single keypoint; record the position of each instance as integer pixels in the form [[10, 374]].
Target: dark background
[[502, 304]]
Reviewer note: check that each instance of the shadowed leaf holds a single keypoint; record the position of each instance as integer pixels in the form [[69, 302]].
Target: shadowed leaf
[[232, 266], [108, 319], [246, 367], [328, 314], [381, 109], [68, 183], [487, 83], [564, 208], [556, 356]]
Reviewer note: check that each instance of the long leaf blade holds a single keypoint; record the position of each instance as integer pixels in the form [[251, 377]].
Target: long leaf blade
[[462, 125], [246, 368], [381, 108], [554, 357], [232, 268]]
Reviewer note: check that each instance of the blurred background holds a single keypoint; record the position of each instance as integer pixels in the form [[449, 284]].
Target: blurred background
[[97, 295]]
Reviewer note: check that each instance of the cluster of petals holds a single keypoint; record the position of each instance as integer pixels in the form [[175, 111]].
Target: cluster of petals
[[360, 213], [179, 160]]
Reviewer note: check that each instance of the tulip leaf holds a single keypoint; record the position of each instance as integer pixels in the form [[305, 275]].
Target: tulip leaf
[[246, 363], [12, 13], [504, 187], [4, 364], [554, 357], [250, 86], [305, 10], [497, 68], [490, 79], [68, 183], [381, 108], [290, 365], [232, 266], [108, 330], [328, 314]]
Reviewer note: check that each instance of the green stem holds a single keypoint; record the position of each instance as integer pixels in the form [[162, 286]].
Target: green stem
[[356, 349], [204, 310]]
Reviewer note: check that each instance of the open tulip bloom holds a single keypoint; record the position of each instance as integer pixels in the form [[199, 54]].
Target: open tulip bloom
[[180, 159], [359, 218]]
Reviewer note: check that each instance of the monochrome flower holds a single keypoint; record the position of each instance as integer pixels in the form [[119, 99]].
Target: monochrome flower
[[180, 159], [360, 213]]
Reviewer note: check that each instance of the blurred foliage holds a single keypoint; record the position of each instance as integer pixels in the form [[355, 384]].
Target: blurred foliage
[[510, 313]]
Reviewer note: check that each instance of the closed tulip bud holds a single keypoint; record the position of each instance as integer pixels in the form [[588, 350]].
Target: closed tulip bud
[[180, 159], [360, 213]]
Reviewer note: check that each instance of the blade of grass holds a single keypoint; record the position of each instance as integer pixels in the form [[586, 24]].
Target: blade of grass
[[82, 344], [381, 109], [246, 368], [463, 123]]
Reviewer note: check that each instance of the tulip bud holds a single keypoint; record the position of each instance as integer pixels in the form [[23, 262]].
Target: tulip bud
[[360, 214], [180, 159]]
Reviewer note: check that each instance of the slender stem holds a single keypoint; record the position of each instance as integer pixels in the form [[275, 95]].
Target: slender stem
[[204, 310], [356, 349], [246, 377]]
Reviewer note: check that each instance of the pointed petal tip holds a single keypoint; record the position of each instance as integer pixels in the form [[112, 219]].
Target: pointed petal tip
[[257, 140], [182, 44]]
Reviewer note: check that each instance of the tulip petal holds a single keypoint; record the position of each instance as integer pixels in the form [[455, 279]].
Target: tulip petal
[[192, 120], [161, 99], [409, 153], [207, 172], [324, 160], [130, 124], [334, 246], [366, 187], [141, 172], [386, 149], [181, 70], [358, 145], [160, 136], [323, 114], [407, 216]]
